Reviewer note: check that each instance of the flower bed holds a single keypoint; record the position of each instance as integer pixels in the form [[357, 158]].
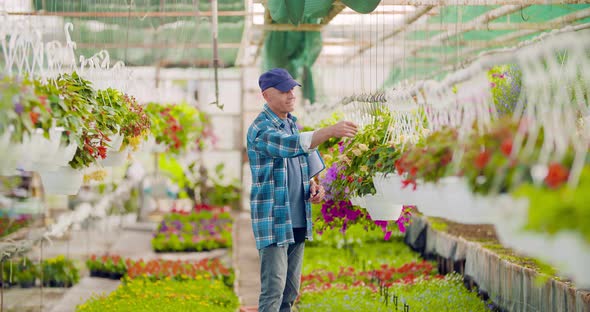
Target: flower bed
[[11, 225], [363, 274], [115, 267], [165, 295], [193, 232]]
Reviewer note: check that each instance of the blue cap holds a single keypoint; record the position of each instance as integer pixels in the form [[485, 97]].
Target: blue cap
[[277, 78]]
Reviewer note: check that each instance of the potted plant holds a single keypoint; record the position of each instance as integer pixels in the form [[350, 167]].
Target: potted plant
[[59, 272]]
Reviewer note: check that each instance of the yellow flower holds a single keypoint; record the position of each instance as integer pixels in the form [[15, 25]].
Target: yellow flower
[[364, 168], [363, 147], [356, 152]]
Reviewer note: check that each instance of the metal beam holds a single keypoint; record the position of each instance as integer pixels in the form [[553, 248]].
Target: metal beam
[[410, 18], [471, 2], [267, 20], [245, 42], [129, 14], [512, 38], [157, 45]]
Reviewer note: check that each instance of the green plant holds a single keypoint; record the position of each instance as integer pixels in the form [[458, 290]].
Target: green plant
[[429, 159], [180, 127], [220, 193], [76, 114], [489, 163], [135, 123], [166, 295], [22, 108], [359, 158], [59, 272], [561, 209]]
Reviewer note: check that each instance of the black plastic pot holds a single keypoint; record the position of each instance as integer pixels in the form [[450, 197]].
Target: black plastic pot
[[26, 284], [115, 276]]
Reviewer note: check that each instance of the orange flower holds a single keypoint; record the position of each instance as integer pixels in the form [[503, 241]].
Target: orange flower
[[482, 159], [506, 147], [556, 176]]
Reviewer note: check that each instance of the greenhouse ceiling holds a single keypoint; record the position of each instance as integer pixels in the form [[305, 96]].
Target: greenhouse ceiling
[[426, 37]]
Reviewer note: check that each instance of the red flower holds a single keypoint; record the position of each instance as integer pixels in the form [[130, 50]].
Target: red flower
[[556, 176], [506, 147], [34, 117], [102, 152], [482, 159]]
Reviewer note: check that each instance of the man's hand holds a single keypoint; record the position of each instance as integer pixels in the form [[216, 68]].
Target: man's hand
[[343, 129], [316, 192]]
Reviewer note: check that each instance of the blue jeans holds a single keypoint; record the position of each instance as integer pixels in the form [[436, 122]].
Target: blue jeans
[[280, 276]]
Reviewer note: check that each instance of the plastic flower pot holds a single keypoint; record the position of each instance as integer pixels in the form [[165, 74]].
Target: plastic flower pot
[[116, 142], [115, 158], [566, 250], [382, 208], [64, 181]]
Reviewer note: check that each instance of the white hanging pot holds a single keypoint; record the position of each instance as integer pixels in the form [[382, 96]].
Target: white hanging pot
[[114, 158], [63, 180], [116, 142], [10, 153], [382, 208], [52, 156], [566, 250]]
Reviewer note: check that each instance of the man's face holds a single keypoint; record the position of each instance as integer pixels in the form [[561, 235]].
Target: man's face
[[281, 103]]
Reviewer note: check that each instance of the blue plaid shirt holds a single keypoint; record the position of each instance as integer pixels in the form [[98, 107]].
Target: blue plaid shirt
[[268, 146]]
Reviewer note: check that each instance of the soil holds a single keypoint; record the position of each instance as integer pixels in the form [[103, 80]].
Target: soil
[[472, 232]]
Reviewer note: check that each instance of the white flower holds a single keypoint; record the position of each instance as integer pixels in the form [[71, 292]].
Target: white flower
[[363, 147], [357, 152]]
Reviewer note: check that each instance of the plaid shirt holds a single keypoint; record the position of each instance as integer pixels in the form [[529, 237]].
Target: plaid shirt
[[268, 146]]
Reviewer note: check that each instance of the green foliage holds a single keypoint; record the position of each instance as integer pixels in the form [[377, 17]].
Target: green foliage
[[22, 108], [165, 295], [559, 210], [178, 126], [429, 159], [447, 294], [220, 193], [358, 254], [60, 270], [363, 155]]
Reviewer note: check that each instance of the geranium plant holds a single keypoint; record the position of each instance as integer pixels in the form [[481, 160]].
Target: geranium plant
[[429, 159], [23, 109], [554, 206], [179, 127]]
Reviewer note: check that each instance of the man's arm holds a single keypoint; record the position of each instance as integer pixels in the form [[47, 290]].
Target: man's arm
[[339, 130]]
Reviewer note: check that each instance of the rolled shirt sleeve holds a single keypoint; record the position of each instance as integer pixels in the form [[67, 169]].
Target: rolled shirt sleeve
[[305, 141]]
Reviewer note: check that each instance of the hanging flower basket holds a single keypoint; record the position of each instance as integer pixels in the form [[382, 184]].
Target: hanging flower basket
[[566, 250], [63, 180], [114, 158], [382, 207], [116, 142], [10, 154]]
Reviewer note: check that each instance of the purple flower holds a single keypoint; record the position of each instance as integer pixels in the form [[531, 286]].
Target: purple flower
[[341, 147], [387, 235], [18, 107]]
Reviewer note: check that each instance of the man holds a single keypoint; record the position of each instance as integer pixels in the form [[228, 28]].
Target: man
[[282, 189]]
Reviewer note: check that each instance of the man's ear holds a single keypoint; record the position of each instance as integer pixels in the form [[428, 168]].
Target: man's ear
[[265, 95]]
